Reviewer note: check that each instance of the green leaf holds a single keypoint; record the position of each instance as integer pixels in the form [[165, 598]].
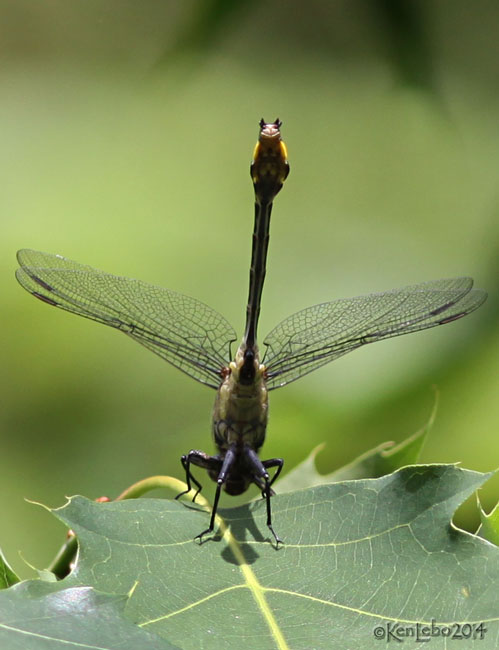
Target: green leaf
[[7, 575], [359, 556], [46, 575], [381, 460], [489, 528], [35, 615], [384, 459]]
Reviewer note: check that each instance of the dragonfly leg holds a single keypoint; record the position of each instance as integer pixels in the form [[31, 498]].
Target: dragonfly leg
[[262, 476], [273, 462], [188, 478], [268, 492], [267, 464], [278, 540], [227, 463], [199, 458], [213, 513]]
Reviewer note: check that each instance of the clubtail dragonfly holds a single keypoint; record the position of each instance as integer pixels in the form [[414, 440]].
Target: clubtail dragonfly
[[197, 340]]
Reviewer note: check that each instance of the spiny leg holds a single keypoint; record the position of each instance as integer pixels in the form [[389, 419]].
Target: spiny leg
[[188, 478], [268, 492], [213, 514], [200, 459], [261, 474], [227, 463], [273, 462]]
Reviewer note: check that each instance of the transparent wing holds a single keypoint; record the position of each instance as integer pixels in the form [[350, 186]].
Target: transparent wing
[[317, 335], [187, 333]]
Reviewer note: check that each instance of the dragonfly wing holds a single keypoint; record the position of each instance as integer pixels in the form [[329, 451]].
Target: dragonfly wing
[[184, 331], [319, 334]]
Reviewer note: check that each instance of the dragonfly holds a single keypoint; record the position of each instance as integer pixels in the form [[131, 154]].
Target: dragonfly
[[198, 340]]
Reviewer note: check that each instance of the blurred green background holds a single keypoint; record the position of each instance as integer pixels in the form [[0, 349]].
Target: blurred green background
[[127, 132]]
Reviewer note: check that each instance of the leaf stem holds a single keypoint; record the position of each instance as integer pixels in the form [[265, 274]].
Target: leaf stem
[[151, 483]]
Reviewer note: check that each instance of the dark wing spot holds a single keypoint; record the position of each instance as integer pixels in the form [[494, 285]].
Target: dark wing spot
[[45, 299], [449, 319], [42, 283]]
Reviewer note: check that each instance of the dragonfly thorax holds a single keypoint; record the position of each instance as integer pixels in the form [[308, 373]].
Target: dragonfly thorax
[[240, 413]]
